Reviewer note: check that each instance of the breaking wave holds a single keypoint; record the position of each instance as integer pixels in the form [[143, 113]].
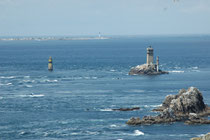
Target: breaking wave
[[32, 95], [138, 133], [7, 84], [176, 71], [7, 77], [106, 109], [153, 106]]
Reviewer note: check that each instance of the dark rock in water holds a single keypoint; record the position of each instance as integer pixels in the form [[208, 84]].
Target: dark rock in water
[[146, 70], [205, 137], [127, 109], [187, 106]]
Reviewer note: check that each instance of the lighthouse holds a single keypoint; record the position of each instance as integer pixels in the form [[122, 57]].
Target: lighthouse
[[157, 63], [150, 56], [50, 65]]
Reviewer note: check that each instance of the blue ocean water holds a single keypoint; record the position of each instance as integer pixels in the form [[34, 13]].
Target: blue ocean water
[[90, 78]]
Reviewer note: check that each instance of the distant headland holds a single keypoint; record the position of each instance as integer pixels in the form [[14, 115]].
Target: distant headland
[[51, 38], [149, 68]]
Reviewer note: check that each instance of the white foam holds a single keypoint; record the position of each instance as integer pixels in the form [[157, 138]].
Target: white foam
[[37, 95], [22, 133], [7, 77], [176, 71], [32, 95], [138, 133], [112, 70], [107, 109], [195, 68], [7, 84], [113, 126], [201, 135], [49, 81], [148, 106], [75, 133]]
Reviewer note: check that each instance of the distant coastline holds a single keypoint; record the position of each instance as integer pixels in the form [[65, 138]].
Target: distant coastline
[[50, 38], [85, 37]]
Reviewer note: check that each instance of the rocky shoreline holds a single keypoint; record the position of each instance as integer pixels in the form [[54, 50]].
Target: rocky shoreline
[[187, 106]]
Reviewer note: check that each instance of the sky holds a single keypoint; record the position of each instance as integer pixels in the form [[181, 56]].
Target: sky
[[110, 17]]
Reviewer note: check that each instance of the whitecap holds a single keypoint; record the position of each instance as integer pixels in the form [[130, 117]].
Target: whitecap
[[179, 135], [138, 133], [74, 133], [23, 133], [201, 135], [36, 95], [32, 95], [112, 70], [52, 80], [7, 77], [194, 68], [113, 126], [49, 81], [148, 106], [176, 71], [107, 109], [7, 84]]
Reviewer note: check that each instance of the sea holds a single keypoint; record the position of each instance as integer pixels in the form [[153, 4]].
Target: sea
[[90, 78]]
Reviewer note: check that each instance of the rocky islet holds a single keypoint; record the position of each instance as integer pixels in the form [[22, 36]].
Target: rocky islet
[[187, 106]]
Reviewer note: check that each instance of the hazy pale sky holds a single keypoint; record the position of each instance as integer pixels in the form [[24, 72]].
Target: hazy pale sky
[[111, 17]]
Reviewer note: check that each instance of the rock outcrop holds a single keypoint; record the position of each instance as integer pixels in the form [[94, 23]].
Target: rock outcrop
[[205, 137], [146, 70], [186, 106]]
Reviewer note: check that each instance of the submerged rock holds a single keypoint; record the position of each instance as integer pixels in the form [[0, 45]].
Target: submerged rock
[[186, 106], [127, 109]]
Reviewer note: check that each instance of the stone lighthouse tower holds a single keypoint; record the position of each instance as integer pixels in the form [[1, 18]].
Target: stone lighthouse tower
[[50, 65], [150, 56]]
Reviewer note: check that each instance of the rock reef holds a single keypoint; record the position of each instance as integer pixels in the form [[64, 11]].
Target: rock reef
[[127, 109], [205, 137], [187, 106]]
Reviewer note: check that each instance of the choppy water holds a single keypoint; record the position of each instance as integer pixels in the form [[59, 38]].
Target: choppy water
[[89, 79]]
